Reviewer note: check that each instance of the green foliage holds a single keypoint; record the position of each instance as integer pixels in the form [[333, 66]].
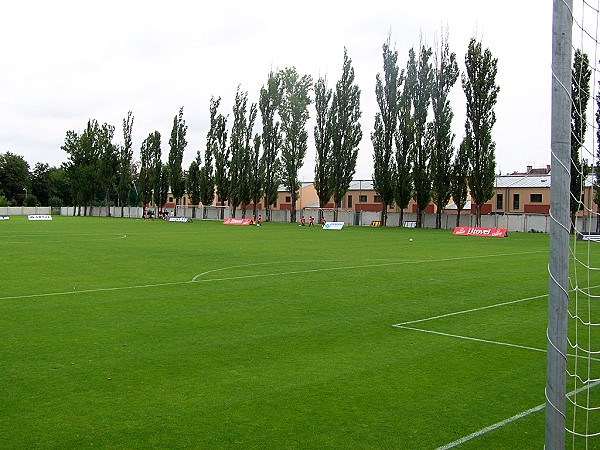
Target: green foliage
[[346, 132], [481, 91], [323, 143], [40, 183], [420, 81], [271, 138], [14, 177], [125, 167], [580, 95], [4, 201], [193, 181], [55, 202], [293, 111], [404, 142], [256, 174], [220, 150], [459, 188], [240, 174], [445, 76], [177, 144], [386, 121]]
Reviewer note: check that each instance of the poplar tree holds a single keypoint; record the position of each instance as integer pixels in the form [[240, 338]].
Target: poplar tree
[[322, 135], [222, 157], [270, 96], [293, 110], [177, 144], [239, 187], [404, 142], [256, 174], [107, 161], [445, 75], [193, 182], [386, 121], [420, 82], [459, 188], [346, 132], [124, 163], [580, 94], [481, 91], [206, 175], [147, 166]]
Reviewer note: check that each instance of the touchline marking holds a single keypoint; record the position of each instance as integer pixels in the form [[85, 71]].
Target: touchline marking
[[87, 291], [510, 419]]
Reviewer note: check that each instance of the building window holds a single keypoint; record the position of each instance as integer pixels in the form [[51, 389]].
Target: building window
[[363, 199], [288, 199], [349, 201], [377, 199], [499, 201], [515, 201], [170, 199], [535, 198]]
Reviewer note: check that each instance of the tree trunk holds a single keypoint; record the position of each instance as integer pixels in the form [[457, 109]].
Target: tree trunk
[[401, 220], [438, 219], [458, 210], [419, 223], [293, 207], [477, 215]]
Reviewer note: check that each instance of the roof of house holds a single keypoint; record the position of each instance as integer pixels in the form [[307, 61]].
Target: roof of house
[[530, 181], [522, 181]]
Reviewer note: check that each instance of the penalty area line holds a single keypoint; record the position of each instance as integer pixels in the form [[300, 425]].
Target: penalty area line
[[467, 338]]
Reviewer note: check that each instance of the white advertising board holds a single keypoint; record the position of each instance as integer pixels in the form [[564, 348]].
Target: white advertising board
[[333, 225], [39, 217]]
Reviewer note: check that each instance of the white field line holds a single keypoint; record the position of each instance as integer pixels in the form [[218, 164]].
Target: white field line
[[467, 338], [509, 420], [101, 238], [198, 278], [466, 311]]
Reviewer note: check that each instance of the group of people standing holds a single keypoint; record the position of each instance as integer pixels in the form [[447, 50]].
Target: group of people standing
[[311, 221]]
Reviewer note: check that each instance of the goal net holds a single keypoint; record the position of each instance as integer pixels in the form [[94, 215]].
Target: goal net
[[318, 213], [214, 212], [573, 368]]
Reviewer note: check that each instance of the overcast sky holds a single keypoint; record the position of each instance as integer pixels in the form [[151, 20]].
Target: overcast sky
[[64, 62]]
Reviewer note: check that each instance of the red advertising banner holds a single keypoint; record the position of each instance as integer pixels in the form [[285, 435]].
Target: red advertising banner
[[232, 221], [480, 231]]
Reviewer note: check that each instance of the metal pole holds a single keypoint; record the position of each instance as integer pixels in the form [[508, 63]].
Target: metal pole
[[560, 224]]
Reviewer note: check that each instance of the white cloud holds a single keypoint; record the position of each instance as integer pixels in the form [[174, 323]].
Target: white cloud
[[69, 61]]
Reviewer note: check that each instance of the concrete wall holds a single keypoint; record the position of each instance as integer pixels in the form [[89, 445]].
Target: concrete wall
[[513, 222]]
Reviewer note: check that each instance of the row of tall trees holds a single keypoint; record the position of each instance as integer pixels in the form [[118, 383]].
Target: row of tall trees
[[414, 154], [43, 185]]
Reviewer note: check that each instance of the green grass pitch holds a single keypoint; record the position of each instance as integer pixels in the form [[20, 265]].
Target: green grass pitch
[[122, 333]]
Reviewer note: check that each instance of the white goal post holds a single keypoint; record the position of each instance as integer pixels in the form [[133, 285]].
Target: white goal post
[[214, 212]]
